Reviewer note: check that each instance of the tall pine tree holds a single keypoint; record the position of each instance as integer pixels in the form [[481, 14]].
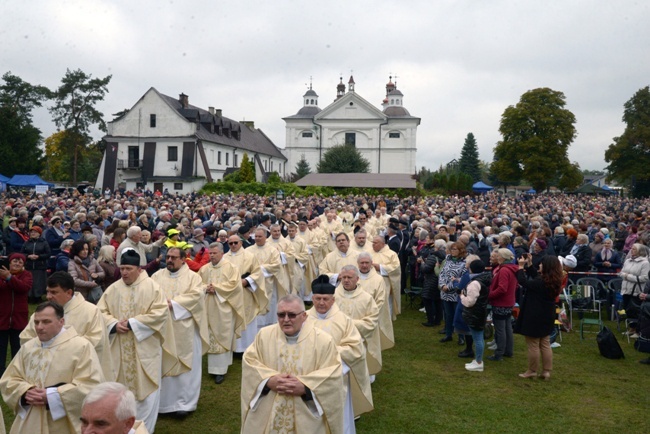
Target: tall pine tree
[[469, 161], [302, 168]]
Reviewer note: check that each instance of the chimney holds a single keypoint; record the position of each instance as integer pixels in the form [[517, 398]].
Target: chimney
[[183, 99], [211, 110], [218, 112], [249, 124]]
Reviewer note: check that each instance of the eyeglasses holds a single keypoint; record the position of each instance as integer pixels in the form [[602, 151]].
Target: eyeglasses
[[233, 243], [289, 315]]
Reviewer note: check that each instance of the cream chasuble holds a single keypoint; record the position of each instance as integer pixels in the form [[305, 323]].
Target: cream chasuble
[[287, 257], [255, 302], [331, 229], [89, 323], [70, 362], [361, 307], [314, 360], [336, 260], [187, 291], [356, 248], [297, 267], [349, 344], [137, 360], [374, 285], [224, 311], [392, 273]]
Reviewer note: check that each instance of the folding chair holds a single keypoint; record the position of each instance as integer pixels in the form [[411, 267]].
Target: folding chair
[[583, 300], [599, 286], [413, 293]]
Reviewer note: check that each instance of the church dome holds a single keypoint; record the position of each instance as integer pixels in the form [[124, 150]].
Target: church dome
[[310, 92], [396, 111], [308, 111]]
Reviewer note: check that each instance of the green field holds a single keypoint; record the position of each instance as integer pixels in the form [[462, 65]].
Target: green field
[[424, 388]]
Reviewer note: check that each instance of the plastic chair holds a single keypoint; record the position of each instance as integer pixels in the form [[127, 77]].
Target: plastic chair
[[583, 299]]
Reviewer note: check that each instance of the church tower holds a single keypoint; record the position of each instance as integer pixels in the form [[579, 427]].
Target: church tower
[[340, 89]]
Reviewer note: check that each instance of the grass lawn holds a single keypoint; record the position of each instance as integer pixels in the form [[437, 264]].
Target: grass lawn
[[424, 388]]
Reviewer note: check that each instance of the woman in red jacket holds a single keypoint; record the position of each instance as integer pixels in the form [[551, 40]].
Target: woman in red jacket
[[502, 299], [15, 284]]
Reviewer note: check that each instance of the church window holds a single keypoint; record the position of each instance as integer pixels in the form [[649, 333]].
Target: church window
[[307, 134], [393, 135], [312, 101], [350, 139]]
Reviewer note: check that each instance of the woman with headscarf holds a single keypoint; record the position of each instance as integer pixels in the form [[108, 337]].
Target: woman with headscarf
[[15, 283], [634, 273], [536, 319], [37, 252]]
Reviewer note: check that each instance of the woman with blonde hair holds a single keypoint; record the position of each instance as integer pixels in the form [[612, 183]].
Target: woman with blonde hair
[[106, 260]]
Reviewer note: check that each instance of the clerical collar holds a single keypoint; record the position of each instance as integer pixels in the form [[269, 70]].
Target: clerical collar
[[292, 340], [322, 315], [48, 344]]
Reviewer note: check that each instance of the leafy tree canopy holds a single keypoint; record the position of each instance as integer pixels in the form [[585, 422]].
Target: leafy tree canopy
[[246, 173], [536, 134], [469, 162], [629, 155], [19, 144], [22, 97], [343, 159], [74, 109]]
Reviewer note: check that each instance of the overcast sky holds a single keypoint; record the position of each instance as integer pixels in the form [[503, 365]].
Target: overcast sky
[[458, 63]]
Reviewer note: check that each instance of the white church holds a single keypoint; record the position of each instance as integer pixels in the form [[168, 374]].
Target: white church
[[385, 137]]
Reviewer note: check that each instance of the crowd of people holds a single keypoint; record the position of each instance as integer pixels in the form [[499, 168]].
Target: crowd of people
[[141, 286]]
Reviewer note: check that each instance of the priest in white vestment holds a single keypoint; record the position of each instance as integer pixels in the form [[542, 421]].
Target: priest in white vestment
[[141, 335], [297, 267], [183, 289], [291, 377], [271, 265], [374, 284], [287, 257], [361, 307], [339, 258], [329, 318], [84, 316], [46, 382], [386, 263], [255, 299], [360, 243], [224, 310]]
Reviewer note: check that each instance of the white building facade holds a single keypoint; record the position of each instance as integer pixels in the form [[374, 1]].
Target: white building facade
[[386, 138], [166, 143]]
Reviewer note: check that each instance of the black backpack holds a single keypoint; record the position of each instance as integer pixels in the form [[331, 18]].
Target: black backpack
[[608, 345]]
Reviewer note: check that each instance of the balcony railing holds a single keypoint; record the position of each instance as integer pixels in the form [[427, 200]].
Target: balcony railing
[[130, 164]]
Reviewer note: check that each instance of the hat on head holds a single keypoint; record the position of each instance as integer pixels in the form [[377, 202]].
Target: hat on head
[[198, 232], [17, 256], [172, 232], [36, 229], [322, 285], [541, 243], [393, 226], [243, 230], [55, 219], [393, 220], [130, 257], [569, 261], [265, 218], [13, 219]]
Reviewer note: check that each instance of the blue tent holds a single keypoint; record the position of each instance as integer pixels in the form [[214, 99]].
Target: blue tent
[[531, 191], [3, 183], [481, 187], [27, 181]]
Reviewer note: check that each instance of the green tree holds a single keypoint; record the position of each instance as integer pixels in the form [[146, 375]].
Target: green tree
[[246, 173], [302, 168], [571, 178], [469, 161], [59, 158], [629, 155], [74, 110], [19, 139], [536, 134], [343, 159]]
